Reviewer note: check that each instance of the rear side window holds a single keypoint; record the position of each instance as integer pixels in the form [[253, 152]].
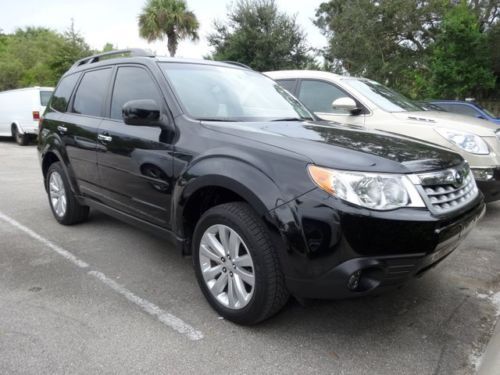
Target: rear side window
[[45, 97], [132, 83], [91, 93], [63, 92]]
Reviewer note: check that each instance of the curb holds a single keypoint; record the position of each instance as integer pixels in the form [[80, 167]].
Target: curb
[[490, 364]]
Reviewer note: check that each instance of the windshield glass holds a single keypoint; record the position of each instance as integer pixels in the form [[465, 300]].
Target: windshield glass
[[209, 92], [44, 97], [487, 111], [382, 96]]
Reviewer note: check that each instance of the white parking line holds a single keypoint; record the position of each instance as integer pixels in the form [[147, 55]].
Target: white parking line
[[166, 318]]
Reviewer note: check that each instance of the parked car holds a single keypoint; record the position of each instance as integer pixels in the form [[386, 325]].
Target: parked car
[[428, 106], [240, 175], [371, 105], [467, 108], [20, 112]]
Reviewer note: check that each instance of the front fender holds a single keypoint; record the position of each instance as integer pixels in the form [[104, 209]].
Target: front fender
[[252, 184]]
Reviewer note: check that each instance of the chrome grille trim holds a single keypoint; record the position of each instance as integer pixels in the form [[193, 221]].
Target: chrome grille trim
[[447, 190]]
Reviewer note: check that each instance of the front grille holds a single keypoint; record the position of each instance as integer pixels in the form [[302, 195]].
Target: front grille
[[449, 190]]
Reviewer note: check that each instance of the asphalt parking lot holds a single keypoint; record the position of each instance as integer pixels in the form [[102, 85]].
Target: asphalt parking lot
[[105, 297]]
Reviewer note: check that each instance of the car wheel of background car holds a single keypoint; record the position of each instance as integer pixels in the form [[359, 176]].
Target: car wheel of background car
[[63, 203], [236, 264], [21, 139]]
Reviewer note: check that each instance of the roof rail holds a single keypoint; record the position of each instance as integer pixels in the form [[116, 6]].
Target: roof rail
[[133, 52], [237, 64]]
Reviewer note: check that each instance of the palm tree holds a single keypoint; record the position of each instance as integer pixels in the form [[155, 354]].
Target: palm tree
[[168, 18]]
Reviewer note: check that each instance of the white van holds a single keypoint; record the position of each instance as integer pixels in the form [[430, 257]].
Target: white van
[[20, 111]]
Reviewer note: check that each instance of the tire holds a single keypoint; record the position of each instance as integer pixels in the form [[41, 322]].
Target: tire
[[58, 186], [268, 294], [21, 139]]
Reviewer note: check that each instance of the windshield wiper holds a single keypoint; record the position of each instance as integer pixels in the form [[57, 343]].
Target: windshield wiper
[[292, 119], [217, 119]]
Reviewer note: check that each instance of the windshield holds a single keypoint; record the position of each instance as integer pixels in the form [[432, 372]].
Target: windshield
[[44, 97], [486, 111], [382, 96], [209, 92]]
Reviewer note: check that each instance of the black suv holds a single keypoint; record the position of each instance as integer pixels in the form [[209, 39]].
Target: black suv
[[267, 200]]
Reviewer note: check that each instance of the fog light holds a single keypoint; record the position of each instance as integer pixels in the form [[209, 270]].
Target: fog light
[[353, 282], [484, 174]]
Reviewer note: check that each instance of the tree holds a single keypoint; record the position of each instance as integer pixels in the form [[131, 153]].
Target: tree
[[38, 56], [108, 47], [382, 40], [258, 34], [170, 19], [461, 60], [396, 42], [72, 48]]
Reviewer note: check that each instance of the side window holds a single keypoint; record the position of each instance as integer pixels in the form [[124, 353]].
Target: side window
[[45, 97], [91, 93], [63, 92], [132, 83], [463, 109], [288, 84], [318, 96]]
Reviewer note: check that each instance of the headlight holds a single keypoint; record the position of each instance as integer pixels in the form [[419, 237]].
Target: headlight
[[377, 191], [466, 141]]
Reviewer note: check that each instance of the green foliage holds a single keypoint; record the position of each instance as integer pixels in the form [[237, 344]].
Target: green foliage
[[402, 43], [383, 40], [108, 47], [460, 60], [258, 34], [170, 19], [38, 56]]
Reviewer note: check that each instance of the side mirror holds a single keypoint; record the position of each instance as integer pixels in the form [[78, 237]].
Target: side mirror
[[345, 103], [144, 112]]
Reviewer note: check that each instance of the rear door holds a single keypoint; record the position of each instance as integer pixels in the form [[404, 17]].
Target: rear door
[[135, 162], [78, 127]]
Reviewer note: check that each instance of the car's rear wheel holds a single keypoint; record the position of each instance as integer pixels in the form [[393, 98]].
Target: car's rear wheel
[[21, 139], [236, 264], [65, 207]]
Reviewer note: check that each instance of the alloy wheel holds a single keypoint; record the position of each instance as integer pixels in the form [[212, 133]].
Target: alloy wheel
[[227, 266], [57, 194]]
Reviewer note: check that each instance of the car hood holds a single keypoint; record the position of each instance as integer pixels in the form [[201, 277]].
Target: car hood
[[344, 147], [452, 121]]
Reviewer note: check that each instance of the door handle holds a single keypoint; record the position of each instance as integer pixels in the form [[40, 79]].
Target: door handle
[[104, 138], [62, 129]]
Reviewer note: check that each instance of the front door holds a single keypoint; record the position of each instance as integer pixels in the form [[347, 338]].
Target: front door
[[135, 162], [318, 96]]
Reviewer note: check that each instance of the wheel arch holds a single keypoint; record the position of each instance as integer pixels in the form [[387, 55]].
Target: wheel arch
[[52, 155], [230, 181], [16, 125]]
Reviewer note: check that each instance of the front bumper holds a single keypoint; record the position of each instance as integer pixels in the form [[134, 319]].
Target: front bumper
[[337, 251], [491, 188]]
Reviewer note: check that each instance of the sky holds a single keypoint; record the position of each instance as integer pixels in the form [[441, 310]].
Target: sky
[[115, 21]]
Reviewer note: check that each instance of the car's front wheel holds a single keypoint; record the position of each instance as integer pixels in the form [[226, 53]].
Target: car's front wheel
[[65, 207], [236, 264]]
